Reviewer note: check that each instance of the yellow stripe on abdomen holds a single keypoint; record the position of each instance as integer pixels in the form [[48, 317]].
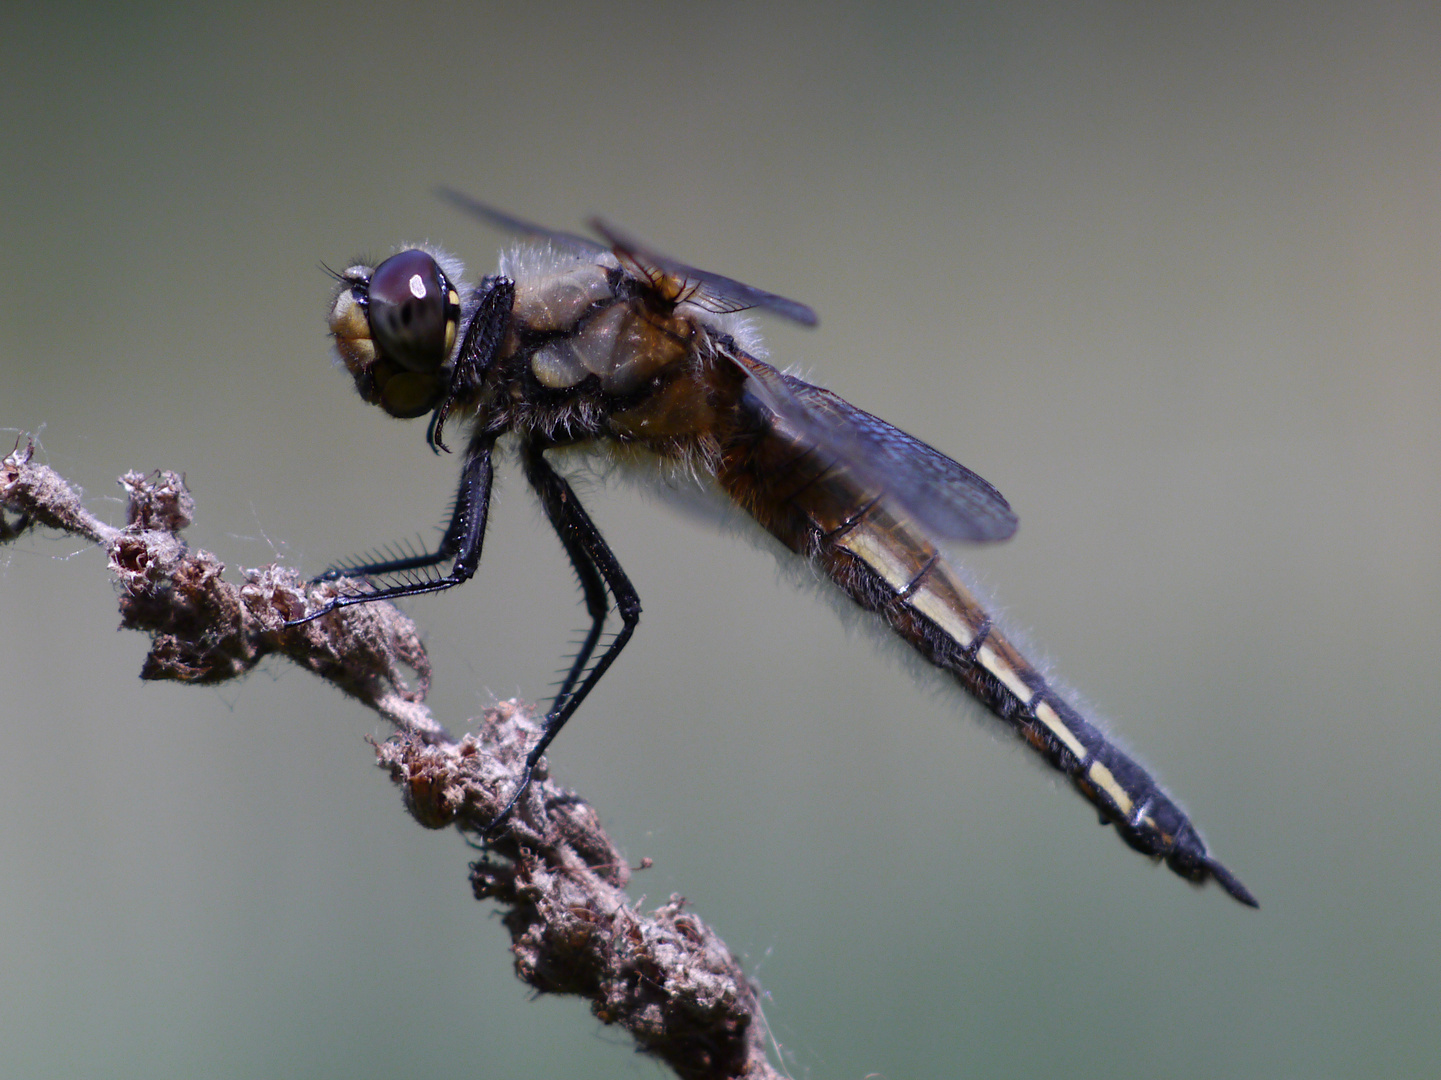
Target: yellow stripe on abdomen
[[1045, 713], [884, 552], [1002, 661], [922, 581], [1104, 779]]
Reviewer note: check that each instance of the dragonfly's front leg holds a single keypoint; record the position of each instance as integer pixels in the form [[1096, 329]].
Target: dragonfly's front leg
[[462, 541]]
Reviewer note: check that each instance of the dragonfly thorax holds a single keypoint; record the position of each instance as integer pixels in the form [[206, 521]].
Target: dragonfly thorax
[[623, 344]]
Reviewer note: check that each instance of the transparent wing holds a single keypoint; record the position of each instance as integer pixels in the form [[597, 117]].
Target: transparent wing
[[938, 494], [582, 245], [673, 278], [714, 292]]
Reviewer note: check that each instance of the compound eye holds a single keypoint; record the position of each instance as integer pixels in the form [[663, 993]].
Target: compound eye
[[414, 311]]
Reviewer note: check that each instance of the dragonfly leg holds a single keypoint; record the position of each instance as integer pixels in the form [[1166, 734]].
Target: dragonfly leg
[[462, 540], [598, 570]]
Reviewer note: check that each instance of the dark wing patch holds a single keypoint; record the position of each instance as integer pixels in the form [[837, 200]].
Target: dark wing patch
[[942, 496], [713, 292]]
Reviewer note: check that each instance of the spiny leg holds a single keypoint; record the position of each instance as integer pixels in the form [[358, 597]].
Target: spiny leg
[[597, 606], [598, 571], [483, 337], [463, 539], [592, 584]]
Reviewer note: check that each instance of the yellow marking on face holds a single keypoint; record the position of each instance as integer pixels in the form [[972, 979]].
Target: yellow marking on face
[[1107, 782], [875, 550], [452, 322], [992, 662], [934, 607], [1057, 727]]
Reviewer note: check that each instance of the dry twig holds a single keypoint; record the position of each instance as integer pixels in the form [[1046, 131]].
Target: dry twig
[[664, 976]]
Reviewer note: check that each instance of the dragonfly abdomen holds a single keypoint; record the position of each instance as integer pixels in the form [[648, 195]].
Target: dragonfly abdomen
[[887, 566], [885, 569]]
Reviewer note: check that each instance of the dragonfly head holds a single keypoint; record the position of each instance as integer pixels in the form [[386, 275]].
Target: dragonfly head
[[395, 328]]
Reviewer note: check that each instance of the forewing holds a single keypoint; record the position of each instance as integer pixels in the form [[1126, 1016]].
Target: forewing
[[714, 292], [942, 496], [582, 245]]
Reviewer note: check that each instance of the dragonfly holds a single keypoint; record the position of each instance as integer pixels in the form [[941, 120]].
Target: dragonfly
[[610, 346]]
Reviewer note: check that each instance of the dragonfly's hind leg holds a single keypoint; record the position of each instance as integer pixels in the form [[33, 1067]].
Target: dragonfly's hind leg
[[599, 571]]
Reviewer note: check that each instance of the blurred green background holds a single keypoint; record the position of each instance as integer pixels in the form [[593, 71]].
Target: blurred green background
[[1166, 276]]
